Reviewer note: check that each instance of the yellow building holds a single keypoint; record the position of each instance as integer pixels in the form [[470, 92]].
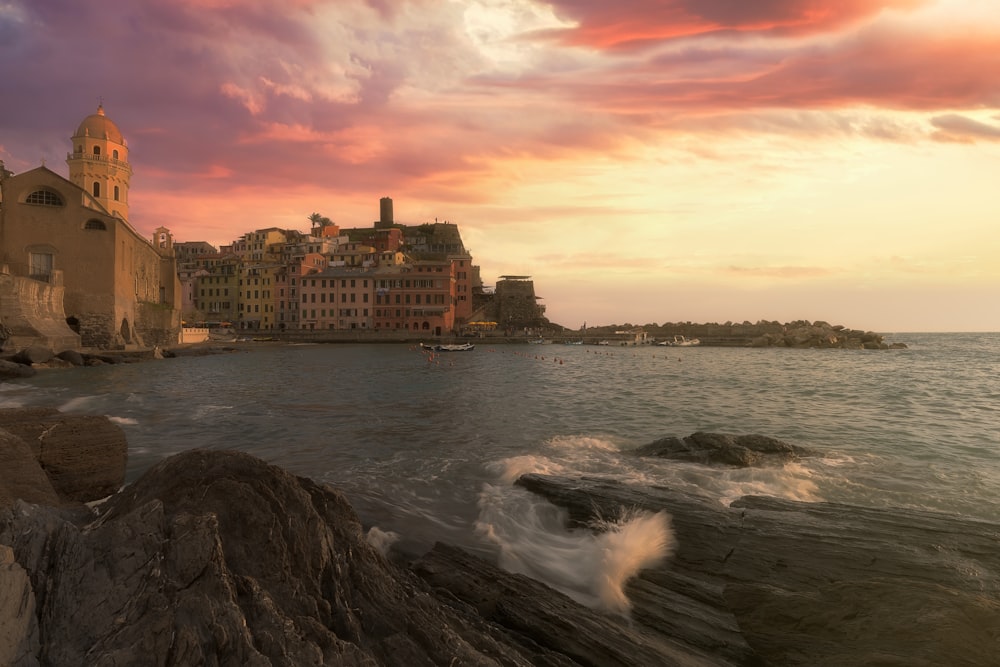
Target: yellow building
[[120, 289]]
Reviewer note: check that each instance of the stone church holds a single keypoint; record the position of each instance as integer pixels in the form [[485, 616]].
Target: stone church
[[74, 272]]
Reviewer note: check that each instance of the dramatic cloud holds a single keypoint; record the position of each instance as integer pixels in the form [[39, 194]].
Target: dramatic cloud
[[681, 128], [640, 23]]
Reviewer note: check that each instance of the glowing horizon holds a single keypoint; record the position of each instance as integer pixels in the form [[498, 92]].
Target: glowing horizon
[[644, 161]]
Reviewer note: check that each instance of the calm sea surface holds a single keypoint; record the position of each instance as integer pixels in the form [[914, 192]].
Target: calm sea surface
[[426, 449]]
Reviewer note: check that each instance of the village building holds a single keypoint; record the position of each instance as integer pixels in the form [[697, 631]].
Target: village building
[[118, 289]]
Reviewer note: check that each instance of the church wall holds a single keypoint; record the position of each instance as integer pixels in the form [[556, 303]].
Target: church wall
[[110, 273]]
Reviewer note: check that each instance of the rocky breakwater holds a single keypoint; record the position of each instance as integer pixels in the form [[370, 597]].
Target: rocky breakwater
[[220, 558], [25, 362], [797, 334], [804, 334]]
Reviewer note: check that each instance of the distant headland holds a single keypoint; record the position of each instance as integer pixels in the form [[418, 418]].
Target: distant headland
[[797, 334]]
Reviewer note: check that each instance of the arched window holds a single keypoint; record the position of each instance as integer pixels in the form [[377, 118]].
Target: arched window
[[95, 224], [97, 150], [44, 198], [116, 193], [114, 153], [97, 189]]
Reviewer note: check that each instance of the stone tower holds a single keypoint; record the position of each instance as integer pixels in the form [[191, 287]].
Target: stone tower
[[99, 162]]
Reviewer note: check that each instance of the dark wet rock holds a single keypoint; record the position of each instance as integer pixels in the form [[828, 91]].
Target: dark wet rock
[[219, 558], [11, 370], [560, 630], [99, 359], [72, 356], [33, 354], [719, 448], [83, 457], [811, 583]]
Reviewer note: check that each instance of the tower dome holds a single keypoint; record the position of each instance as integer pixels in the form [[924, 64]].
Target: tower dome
[[99, 163], [99, 126]]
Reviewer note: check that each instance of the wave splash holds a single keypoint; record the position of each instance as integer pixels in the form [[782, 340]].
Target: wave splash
[[593, 565]]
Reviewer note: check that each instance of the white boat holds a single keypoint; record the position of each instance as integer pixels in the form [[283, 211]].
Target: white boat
[[680, 341], [463, 347]]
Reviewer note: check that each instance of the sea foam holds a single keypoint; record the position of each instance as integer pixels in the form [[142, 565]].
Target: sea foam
[[591, 565]]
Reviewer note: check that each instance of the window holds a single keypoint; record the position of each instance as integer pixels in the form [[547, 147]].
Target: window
[[44, 198], [116, 193], [41, 265], [95, 224], [97, 189], [114, 154], [97, 150]]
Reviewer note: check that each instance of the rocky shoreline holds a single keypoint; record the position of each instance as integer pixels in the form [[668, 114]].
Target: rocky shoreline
[[216, 557]]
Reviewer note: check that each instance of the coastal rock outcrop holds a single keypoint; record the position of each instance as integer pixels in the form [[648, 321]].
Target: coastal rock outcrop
[[220, 558], [744, 451], [216, 557]]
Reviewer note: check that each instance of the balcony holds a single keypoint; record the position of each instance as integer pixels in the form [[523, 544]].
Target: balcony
[[103, 159]]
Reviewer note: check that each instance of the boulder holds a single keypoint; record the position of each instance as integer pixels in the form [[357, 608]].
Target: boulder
[[10, 370], [84, 457], [72, 356], [33, 354], [718, 448]]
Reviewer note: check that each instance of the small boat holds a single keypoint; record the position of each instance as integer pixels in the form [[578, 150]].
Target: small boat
[[680, 341], [464, 347], [574, 342]]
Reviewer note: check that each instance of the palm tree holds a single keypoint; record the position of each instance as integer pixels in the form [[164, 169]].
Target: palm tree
[[320, 220]]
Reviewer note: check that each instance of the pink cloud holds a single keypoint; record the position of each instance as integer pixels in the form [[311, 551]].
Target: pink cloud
[[636, 23], [230, 99]]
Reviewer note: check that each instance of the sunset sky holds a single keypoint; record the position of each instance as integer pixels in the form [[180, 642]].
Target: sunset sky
[[643, 160]]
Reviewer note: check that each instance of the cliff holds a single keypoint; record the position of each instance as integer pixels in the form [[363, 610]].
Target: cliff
[[216, 557]]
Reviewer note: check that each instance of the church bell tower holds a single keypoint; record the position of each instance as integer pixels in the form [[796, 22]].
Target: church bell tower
[[99, 162]]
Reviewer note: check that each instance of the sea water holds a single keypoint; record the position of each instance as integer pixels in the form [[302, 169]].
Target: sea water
[[427, 447]]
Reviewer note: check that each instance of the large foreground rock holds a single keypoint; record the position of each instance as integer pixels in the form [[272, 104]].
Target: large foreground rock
[[217, 558]]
